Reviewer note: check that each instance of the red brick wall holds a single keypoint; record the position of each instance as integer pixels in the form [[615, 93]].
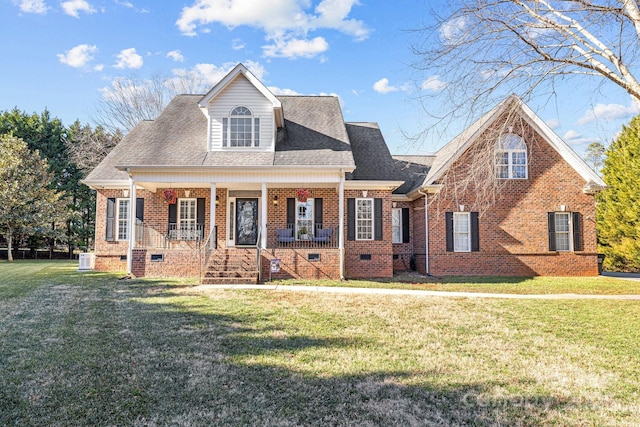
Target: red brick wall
[[180, 259], [381, 251], [403, 252], [277, 215], [294, 263], [514, 232]]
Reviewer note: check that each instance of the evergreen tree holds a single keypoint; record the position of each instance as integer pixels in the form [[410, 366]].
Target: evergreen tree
[[29, 206], [618, 208]]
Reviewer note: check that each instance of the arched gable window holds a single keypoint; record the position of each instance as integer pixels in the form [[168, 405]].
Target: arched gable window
[[241, 129], [511, 157]]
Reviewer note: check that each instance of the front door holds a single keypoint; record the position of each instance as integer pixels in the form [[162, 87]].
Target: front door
[[246, 225]]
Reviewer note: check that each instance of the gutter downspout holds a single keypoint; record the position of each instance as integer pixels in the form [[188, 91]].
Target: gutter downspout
[[426, 231], [341, 222], [132, 226]]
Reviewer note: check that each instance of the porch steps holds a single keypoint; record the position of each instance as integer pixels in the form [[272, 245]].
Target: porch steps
[[232, 267]]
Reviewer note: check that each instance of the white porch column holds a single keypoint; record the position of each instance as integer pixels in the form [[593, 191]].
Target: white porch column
[[131, 224], [341, 222], [426, 233], [212, 216], [263, 219]]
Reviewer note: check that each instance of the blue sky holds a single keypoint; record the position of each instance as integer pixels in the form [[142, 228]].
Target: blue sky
[[60, 55]]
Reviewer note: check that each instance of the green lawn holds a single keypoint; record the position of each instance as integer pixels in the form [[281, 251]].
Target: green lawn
[[599, 285], [89, 349]]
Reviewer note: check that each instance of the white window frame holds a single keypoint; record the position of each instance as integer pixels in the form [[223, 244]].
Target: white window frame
[[365, 225], [240, 113], [568, 232], [307, 221], [122, 221], [396, 225], [459, 219], [515, 148]]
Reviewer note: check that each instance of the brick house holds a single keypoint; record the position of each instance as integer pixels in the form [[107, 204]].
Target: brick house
[[242, 185]]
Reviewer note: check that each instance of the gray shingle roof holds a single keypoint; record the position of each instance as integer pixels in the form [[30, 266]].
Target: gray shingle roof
[[371, 154], [314, 133], [412, 170]]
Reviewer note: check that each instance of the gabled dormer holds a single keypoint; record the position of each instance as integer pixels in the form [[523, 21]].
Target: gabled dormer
[[243, 114]]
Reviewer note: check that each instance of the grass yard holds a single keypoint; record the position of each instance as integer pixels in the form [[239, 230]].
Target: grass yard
[[599, 285], [89, 349]]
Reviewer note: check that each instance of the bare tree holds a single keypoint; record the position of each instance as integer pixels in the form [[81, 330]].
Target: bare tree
[[594, 156], [87, 147], [474, 179], [130, 100], [486, 49]]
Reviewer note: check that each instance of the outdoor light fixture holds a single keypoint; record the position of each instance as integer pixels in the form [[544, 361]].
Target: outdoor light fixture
[[217, 200], [275, 200]]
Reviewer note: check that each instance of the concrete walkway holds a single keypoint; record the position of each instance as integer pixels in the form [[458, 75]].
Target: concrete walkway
[[626, 276], [421, 293]]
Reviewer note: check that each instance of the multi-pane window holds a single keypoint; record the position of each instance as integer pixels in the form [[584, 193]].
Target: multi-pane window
[[187, 218], [122, 219], [241, 129], [511, 157], [364, 219], [396, 225], [461, 232], [563, 231], [304, 218]]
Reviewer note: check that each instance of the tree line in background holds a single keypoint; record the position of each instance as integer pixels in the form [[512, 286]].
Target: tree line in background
[[43, 203]]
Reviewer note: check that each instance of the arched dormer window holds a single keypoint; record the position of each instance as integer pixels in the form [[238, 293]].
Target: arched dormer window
[[511, 157], [241, 129]]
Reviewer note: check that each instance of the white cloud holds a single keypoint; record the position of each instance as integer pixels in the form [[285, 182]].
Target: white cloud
[[33, 6], [296, 48], [278, 91], [79, 56], [211, 74], [573, 137], [553, 123], [382, 86], [285, 22], [176, 55], [608, 113], [454, 30], [434, 84], [128, 58], [237, 44], [72, 7]]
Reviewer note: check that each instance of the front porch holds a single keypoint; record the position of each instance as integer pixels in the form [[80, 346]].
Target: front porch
[[178, 237]]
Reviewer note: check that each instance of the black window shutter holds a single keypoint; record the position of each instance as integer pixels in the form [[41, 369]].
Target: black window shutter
[[577, 231], [475, 232], [448, 221], [291, 211], [551, 219], [200, 210], [140, 209], [377, 219], [317, 213], [351, 219], [111, 219], [405, 225], [173, 214]]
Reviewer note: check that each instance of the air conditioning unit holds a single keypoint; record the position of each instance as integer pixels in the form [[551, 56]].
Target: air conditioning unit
[[87, 261]]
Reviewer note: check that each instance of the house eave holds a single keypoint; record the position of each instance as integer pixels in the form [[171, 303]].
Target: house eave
[[199, 168], [102, 184], [371, 185]]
